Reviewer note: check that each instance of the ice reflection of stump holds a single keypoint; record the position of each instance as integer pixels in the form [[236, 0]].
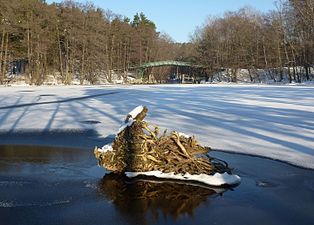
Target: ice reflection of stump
[[141, 149], [137, 198]]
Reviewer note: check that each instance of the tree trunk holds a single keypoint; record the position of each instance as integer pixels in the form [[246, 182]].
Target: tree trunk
[[60, 53], [250, 74], [279, 62], [66, 62], [289, 74], [307, 74], [234, 75], [82, 66], [288, 63], [38, 64], [125, 75], [45, 68], [29, 56], [1, 55], [111, 58], [4, 69], [264, 52]]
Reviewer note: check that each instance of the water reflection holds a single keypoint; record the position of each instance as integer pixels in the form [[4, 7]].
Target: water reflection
[[33, 161], [40, 154], [143, 201]]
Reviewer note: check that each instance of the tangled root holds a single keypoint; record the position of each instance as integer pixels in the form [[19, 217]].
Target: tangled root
[[140, 147]]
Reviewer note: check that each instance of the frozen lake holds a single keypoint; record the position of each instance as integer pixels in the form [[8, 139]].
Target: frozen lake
[[272, 121]]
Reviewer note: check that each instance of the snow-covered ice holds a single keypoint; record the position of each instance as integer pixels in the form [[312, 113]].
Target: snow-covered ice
[[265, 120], [214, 180]]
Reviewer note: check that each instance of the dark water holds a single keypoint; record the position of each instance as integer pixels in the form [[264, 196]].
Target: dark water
[[40, 185]]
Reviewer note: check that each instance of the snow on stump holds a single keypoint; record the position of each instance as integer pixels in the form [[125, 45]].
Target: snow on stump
[[140, 149]]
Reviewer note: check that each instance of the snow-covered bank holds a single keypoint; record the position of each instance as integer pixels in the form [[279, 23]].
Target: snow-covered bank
[[271, 121]]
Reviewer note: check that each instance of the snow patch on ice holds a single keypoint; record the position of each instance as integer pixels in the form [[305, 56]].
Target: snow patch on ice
[[217, 179]]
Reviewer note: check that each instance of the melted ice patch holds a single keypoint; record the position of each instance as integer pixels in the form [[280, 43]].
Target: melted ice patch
[[217, 179]]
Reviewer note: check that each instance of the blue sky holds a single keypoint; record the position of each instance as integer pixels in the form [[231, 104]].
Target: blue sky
[[178, 18]]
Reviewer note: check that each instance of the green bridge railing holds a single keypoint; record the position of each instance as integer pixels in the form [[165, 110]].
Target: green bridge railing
[[164, 63]]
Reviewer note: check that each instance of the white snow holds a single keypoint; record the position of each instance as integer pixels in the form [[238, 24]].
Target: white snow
[[183, 135], [264, 120], [131, 117], [105, 148], [214, 180], [137, 110]]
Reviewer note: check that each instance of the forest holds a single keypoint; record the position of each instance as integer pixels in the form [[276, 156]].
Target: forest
[[72, 40]]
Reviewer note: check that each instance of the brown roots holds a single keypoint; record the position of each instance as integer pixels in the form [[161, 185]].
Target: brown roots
[[141, 148]]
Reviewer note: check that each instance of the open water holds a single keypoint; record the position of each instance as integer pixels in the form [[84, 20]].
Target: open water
[[55, 185]]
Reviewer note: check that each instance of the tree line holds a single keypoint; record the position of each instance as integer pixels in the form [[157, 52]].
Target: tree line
[[75, 40], [281, 42]]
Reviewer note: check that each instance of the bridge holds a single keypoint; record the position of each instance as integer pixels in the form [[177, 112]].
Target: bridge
[[143, 67]]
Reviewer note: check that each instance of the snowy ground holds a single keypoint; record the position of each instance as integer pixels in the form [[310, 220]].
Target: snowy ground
[[272, 121]]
